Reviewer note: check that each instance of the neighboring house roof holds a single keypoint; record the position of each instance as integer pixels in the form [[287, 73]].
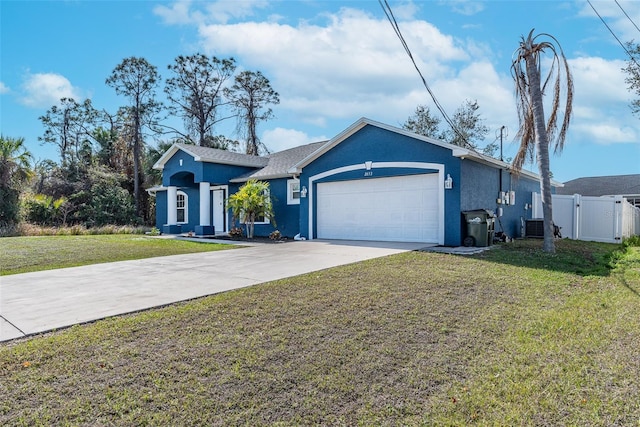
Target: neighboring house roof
[[612, 185], [212, 155], [280, 163]]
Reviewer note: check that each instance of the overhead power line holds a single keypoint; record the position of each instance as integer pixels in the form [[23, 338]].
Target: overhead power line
[[614, 34], [627, 15], [396, 28]]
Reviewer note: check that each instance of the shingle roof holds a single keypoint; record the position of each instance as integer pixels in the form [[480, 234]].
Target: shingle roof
[[279, 163], [603, 186], [214, 155]]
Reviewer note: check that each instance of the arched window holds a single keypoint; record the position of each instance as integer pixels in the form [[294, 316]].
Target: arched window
[[182, 207]]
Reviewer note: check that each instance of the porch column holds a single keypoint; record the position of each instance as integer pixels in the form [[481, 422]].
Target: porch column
[[205, 227], [205, 203], [172, 227], [172, 205]]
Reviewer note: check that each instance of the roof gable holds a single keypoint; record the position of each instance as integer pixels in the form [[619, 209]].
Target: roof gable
[[357, 126], [280, 163], [456, 151], [212, 155]]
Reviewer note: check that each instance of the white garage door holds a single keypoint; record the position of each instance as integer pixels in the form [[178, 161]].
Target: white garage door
[[401, 209]]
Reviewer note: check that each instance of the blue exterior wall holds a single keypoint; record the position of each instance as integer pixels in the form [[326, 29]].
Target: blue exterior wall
[[475, 185], [287, 217], [481, 188], [202, 172], [375, 144], [161, 209], [187, 178]]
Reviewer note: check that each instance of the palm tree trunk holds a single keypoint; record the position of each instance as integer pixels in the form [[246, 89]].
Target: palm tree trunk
[[542, 150]]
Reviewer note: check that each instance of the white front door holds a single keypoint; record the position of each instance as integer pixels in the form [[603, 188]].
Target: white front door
[[219, 213]]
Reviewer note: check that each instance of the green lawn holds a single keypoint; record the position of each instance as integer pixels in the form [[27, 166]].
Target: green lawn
[[24, 254], [510, 337]]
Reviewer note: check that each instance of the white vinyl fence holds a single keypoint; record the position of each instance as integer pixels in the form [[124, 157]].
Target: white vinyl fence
[[601, 219]]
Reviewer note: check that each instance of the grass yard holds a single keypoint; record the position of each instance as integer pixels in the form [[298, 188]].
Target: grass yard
[[25, 254], [513, 336]]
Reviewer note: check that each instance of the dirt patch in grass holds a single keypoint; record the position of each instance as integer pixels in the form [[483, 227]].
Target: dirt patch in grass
[[412, 339]]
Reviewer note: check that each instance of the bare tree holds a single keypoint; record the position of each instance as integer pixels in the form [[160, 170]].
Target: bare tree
[[69, 126], [250, 95], [530, 88], [196, 94], [469, 126], [137, 79], [423, 123]]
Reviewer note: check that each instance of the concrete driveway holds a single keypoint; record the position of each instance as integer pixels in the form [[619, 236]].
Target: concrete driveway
[[37, 302]]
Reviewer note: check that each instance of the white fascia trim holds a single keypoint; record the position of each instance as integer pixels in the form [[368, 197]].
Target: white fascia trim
[[263, 178], [362, 122], [377, 165], [463, 153], [159, 165], [153, 190]]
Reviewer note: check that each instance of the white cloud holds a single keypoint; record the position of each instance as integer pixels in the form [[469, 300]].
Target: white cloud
[[597, 80], [615, 15], [42, 90], [4, 88], [466, 7], [405, 11], [178, 13], [332, 71], [601, 103], [279, 139], [222, 12], [324, 69], [606, 133]]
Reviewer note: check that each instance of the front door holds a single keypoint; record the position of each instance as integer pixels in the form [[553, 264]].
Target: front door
[[218, 210]]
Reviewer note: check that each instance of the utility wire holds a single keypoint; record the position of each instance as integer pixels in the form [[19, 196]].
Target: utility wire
[[396, 28], [614, 34], [627, 15]]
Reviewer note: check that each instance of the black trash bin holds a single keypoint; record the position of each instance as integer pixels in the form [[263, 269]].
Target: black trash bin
[[480, 227]]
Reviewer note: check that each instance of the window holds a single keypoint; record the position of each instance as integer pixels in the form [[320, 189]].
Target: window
[[262, 219], [182, 207], [293, 192]]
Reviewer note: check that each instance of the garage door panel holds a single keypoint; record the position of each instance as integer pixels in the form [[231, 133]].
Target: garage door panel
[[403, 208]]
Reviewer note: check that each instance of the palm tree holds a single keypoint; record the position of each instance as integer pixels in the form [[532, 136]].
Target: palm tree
[[15, 161], [252, 201], [15, 168], [534, 133]]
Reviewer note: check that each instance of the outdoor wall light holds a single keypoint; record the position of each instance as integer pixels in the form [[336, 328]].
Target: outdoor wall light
[[448, 183], [303, 192]]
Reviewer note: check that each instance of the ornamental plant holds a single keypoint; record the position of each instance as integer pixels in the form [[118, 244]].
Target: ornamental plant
[[250, 202]]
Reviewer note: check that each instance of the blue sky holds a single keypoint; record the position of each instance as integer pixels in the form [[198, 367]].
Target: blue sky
[[332, 62]]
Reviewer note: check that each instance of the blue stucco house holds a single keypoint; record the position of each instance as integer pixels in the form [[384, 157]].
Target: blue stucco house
[[371, 182]]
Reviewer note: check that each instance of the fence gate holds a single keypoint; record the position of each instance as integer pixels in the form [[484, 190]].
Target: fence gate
[[599, 219]]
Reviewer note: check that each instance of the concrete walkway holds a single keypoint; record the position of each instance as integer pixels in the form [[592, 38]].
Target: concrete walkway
[[38, 302]]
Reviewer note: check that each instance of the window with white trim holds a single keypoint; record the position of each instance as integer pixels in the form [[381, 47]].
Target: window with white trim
[[293, 192], [182, 207], [262, 219]]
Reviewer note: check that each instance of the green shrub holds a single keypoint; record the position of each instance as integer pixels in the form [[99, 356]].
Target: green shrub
[[9, 206], [42, 209], [632, 241]]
